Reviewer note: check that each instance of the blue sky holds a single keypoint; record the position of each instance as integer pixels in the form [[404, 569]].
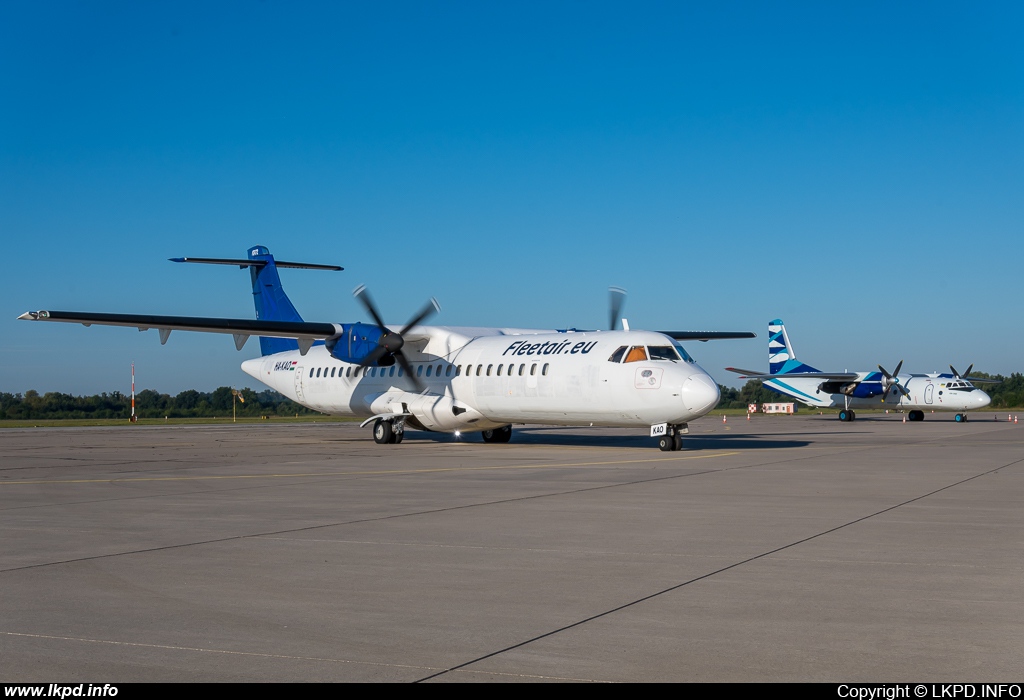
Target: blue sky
[[855, 170]]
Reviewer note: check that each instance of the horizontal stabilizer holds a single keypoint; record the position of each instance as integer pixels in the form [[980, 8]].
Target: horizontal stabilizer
[[705, 336], [234, 326], [241, 262]]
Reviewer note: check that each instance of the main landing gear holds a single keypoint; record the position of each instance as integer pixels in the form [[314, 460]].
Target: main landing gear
[[387, 432], [498, 434], [915, 416], [847, 415], [672, 441]]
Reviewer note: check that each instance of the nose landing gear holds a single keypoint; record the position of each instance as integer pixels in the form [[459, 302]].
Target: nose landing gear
[[672, 441]]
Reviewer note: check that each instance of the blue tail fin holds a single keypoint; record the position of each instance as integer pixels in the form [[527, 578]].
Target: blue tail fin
[[781, 358], [272, 304]]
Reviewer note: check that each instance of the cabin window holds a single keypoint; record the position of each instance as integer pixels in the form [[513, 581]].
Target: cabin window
[[437, 372], [401, 372], [617, 355], [479, 368], [419, 371], [489, 370], [448, 371], [430, 368], [499, 369], [317, 371], [391, 373], [533, 369], [545, 370], [458, 370], [310, 371], [637, 353], [522, 368]]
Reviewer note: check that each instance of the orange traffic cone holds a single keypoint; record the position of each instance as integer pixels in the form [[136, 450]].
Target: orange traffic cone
[[904, 419], [1015, 419], [723, 419], [748, 416]]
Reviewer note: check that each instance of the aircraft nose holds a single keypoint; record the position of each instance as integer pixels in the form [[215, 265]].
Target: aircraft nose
[[700, 393], [983, 399]]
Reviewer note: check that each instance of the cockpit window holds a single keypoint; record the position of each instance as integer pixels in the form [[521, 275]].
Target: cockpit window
[[663, 352], [617, 355], [637, 353], [682, 353]]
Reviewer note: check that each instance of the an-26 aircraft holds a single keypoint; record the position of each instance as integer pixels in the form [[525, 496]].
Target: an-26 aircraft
[[908, 392], [450, 379]]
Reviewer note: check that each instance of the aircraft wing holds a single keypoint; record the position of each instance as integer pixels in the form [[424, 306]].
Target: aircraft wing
[[241, 328], [705, 336], [835, 376]]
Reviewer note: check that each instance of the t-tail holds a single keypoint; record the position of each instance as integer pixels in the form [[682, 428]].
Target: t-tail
[[781, 357], [272, 304]]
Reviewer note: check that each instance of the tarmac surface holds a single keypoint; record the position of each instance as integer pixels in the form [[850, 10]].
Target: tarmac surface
[[777, 549]]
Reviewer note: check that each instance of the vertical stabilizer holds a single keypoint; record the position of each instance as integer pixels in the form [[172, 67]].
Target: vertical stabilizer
[[781, 357], [272, 304]]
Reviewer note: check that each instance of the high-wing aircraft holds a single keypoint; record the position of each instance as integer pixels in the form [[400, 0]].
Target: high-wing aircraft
[[452, 379], [913, 392]]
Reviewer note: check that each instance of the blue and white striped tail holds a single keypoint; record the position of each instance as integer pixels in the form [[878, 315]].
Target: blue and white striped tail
[[781, 357]]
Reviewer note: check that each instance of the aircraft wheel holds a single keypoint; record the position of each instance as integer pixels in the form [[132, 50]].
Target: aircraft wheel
[[399, 437], [677, 442], [666, 443], [498, 434], [960, 418], [383, 433], [844, 416], [916, 415], [853, 415]]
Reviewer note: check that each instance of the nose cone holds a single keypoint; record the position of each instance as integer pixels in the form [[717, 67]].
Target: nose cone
[[253, 367], [981, 399], [700, 393]]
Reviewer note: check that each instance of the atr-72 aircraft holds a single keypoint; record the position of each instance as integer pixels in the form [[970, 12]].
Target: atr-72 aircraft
[[937, 392], [450, 379]]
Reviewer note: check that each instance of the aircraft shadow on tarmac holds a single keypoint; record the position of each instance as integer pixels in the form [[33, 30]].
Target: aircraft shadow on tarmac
[[551, 436]]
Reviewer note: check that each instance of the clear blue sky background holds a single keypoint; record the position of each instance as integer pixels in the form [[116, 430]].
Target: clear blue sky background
[[857, 170]]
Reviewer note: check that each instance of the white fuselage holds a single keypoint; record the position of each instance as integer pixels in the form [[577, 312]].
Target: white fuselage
[[481, 381], [924, 392]]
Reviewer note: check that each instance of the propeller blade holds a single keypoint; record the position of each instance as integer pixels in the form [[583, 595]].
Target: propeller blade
[[896, 372], [431, 308], [377, 353], [968, 372], [363, 296], [953, 370], [616, 300], [404, 363]]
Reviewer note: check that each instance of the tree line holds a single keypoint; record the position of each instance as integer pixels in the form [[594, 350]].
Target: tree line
[[148, 404], [1008, 393]]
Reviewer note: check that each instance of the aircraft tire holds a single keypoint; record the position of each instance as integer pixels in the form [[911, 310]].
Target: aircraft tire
[[916, 415], [960, 418], [498, 434], [399, 437], [853, 415], [383, 433], [665, 443], [844, 416], [677, 442]]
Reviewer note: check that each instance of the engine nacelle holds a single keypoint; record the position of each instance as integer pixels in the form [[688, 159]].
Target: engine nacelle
[[356, 342], [445, 414], [859, 390]]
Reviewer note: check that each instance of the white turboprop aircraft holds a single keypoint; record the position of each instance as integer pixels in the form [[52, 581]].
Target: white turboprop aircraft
[[913, 392], [449, 379]]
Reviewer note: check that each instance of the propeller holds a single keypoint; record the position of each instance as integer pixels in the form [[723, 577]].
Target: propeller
[[965, 375], [390, 343], [616, 300], [892, 380]]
